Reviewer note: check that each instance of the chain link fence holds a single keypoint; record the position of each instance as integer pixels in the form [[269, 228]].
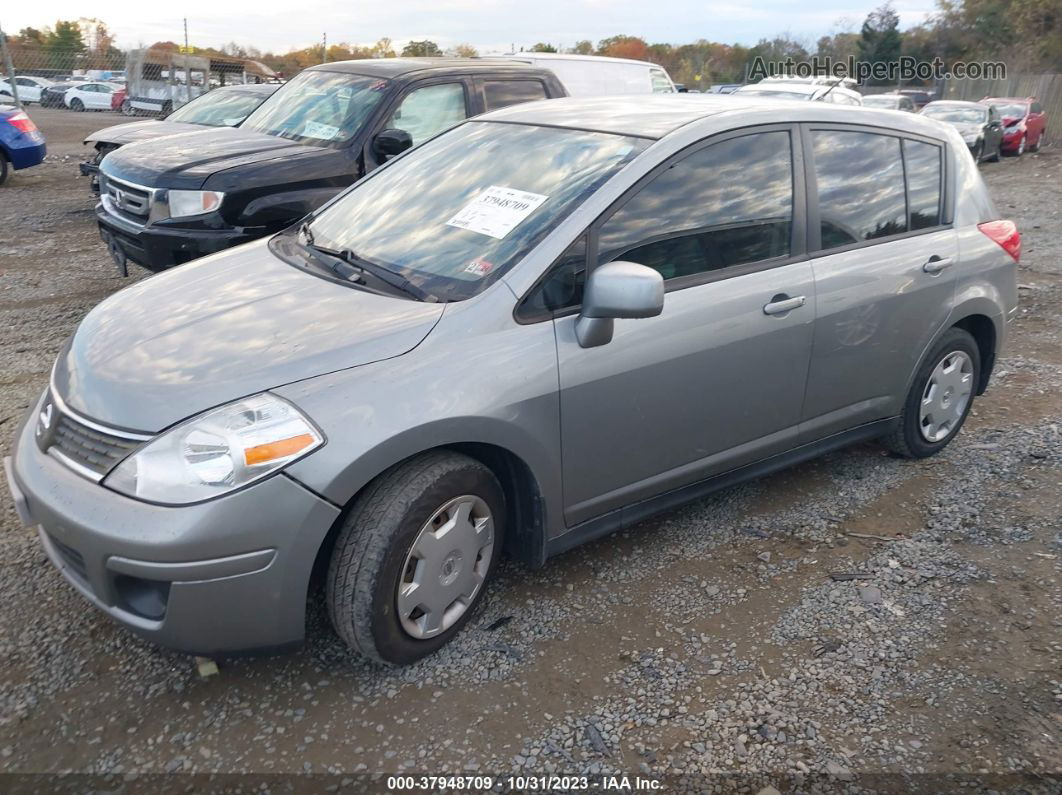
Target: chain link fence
[[135, 82]]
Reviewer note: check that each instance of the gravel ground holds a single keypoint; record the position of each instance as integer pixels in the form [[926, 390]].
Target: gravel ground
[[857, 623]]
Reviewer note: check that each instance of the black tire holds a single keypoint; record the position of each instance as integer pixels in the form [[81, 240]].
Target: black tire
[[1039, 141], [127, 108], [906, 438], [77, 105], [999, 152], [979, 151], [370, 552], [5, 169]]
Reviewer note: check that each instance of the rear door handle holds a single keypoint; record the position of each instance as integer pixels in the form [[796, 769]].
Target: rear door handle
[[779, 305], [937, 264]]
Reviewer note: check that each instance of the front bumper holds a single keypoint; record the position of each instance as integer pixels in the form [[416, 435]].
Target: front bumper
[[225, 576], [158, 247], [1011, 140]]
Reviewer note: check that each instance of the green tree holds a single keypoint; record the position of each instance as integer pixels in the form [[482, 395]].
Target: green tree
[[421, 49], [584, 47], [466, 51], [540, 47], [880, 40]]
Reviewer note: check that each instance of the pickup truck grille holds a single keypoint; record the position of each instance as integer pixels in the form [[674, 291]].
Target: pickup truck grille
[[125, 198]]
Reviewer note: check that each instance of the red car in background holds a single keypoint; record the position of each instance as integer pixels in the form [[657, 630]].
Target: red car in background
[[117, 98], [1024, 123]]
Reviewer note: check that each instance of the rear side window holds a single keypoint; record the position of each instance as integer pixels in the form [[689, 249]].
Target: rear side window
[[922, 165], [860, 186], [728, 204], [502, 93], [1036, 108]]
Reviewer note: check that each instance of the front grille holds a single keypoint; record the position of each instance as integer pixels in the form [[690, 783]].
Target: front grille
[[71, 557], [125, 198], [90, 448]]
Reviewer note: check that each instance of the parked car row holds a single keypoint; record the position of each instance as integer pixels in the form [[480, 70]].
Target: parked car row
[[537, 327]]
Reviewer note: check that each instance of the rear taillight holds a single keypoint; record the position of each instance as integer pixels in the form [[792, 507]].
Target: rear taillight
[[1006, 234], [21, 122]]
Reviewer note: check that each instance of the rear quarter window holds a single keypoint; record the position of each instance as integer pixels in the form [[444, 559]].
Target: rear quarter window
[[503, 93]]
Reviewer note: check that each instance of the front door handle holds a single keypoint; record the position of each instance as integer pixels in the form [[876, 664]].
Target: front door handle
[[937, 264], [781, 304]]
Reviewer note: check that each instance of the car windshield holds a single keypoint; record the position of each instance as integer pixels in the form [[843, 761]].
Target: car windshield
[[218, 108], [1012, 110], [322, 108], [955, 115], [880, 102], [457, 212]]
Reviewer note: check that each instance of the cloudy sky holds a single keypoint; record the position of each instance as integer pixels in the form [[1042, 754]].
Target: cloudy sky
[[490, 25]]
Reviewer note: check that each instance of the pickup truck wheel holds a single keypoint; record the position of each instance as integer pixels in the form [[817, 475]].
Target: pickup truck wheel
[[414, 555], [940, 397]]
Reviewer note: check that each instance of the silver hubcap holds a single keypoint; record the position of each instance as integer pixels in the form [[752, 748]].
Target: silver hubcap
[[946, 396], [446, 566]]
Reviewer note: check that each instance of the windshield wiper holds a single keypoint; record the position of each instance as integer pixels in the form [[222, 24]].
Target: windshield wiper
[[356, 266]]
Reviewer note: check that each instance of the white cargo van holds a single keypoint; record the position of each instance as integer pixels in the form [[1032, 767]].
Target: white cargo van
[[597, 76]]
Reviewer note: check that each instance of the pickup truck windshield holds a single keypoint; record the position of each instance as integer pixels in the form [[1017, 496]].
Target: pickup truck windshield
[[454, 214], [322, 108]]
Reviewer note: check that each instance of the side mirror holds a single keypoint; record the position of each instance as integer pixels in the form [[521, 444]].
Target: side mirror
[[391, 142], [618, 289]]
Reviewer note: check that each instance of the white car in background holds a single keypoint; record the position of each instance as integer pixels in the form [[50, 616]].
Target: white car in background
[[29, 88], [798, 90], [90, 96], [599, 76]]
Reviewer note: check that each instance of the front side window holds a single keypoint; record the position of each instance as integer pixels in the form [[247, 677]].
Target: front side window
[[218, 108], [455, 214], [503, 93], [922, 166], [860, 186], [728, 204], [321, 108], [428, 111]]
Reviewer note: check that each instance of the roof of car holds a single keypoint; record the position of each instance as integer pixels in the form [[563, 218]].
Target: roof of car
[[398, 67], [657, 115], [565, 56], [956, 103], [1022, 100], [251, 88]]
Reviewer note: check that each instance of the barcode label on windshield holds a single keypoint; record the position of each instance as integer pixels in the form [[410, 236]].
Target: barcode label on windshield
[[496, 211]]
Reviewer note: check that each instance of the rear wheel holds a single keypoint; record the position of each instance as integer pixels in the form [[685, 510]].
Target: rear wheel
[[127, 108], [77, 105], [940, 397], [998, 153], [5, 168], [414, 555]]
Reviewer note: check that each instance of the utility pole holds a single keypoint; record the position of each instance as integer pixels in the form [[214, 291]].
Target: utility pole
[[324, 48], [10, 69], [187, 67]]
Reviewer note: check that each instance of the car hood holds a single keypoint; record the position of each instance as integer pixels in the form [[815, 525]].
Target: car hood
[[141, 131], [221, 328], [187, 160]]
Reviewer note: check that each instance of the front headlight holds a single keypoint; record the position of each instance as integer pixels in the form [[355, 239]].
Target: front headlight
[[194, 202], [216, 452]]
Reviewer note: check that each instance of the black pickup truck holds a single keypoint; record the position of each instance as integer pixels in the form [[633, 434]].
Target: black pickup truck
[[164, 202]]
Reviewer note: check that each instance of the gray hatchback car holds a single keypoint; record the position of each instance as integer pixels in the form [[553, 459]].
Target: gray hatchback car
[[533, 330]]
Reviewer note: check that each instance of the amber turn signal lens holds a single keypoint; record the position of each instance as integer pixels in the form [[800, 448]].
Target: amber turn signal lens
[[263, 453]]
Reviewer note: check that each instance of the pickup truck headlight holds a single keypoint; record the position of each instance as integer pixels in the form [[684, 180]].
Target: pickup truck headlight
[[218, 451], [194, 202]]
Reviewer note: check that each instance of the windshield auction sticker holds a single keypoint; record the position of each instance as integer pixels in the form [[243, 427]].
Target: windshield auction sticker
[[496, 211], [313, 129]]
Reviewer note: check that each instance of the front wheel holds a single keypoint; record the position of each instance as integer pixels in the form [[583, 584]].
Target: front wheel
[[414, 555], [5, 168], [127, 108], [940, 397], [979, 151]]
